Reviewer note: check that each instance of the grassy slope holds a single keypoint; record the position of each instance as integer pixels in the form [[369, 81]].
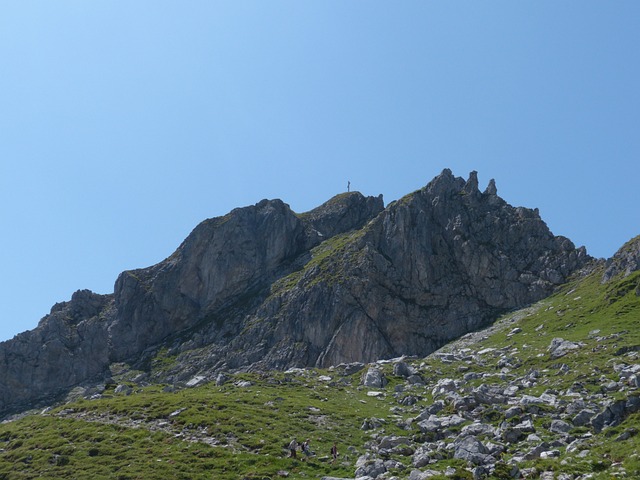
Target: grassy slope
[[234, 431]]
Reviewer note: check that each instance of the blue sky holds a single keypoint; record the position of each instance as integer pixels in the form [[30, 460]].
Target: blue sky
[[125, 124]]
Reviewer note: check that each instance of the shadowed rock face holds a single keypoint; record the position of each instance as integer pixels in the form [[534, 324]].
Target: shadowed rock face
[[223, 262], [68, 347], [264, 287]]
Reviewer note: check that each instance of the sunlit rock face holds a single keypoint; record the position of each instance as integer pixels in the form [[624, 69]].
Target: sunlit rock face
[[434, 265], [265, 287], [625, 261]]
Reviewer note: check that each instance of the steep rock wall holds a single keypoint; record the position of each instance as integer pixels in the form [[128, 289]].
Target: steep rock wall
[[264, 287], [433, 266], [68, 347], [224, 261]]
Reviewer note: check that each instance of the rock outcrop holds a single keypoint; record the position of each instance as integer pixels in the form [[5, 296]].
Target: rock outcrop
[[492, 444], [218, 267], [264, 287], [69, 346], [223, 265], [625, 261], [432, 266]]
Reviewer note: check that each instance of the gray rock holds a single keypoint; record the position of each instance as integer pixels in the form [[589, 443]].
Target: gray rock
[[369, 467], [221, 379], [123, 389], [444, 385], [351, 368], [559, 426], [526, 426], [403, 369], [473, 451], [68, 347], [481, 472], [611, 387], [611, 415], [550, 454], [625, 261], [511, 391], [420, 475], [409, 400], [434, 423], [487, 395], [583, 418], [627, 434], [478, 429], [420, 459], [512, 412], [350, 281], [374, 378], [576, 406], [432, 409], [544, 399], [197, 380], [632, 404], [512, 435], [404, 450], [415, 380], [390, 441], [559, 347], [464, 404], [372, 423], [536, 451]]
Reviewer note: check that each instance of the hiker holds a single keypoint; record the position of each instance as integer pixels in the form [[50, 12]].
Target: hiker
[[305, 448], [293, 446], [334, 452]]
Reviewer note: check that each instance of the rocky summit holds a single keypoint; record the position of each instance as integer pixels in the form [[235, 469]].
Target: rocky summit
[[264, 287]]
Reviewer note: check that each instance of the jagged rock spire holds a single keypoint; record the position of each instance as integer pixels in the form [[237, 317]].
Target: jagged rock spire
[[471, 187], [491, 188], [265, 287]]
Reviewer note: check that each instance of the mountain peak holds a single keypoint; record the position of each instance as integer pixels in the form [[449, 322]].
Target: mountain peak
[[265, 287]]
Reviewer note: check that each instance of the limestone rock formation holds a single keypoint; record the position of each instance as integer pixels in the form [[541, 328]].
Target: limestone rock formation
[[625, 261], [69, 346], [432, 266], [220, 264], [264, 287], [224, 262]]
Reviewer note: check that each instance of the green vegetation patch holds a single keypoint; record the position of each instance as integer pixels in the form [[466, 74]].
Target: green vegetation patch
[[326, 262], [242, 428], [232, 431]]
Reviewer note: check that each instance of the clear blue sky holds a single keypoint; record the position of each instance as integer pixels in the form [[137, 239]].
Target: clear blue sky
[[124, 124]]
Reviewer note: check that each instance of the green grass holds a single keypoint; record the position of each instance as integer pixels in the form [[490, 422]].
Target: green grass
[[141, 435], [326, 262], [231, 432]]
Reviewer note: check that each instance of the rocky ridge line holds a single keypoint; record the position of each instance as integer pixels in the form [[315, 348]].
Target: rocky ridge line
[[263, 287]]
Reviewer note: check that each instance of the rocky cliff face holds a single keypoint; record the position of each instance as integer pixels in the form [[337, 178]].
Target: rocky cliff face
[[625, 261], [264, 287], [431, 267], [68, 347], [223, 263]]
